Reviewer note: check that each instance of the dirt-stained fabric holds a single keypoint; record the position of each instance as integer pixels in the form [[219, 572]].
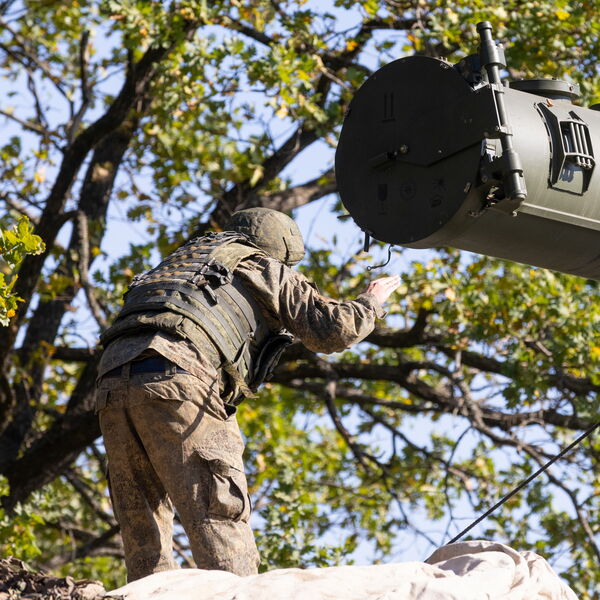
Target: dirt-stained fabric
[[169, 440], [293, 302], [171, 443]]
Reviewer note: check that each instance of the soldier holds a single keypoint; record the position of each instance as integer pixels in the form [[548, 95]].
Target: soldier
[[196, 335]]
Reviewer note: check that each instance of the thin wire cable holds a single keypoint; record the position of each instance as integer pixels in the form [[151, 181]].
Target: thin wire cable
[[526, 481]]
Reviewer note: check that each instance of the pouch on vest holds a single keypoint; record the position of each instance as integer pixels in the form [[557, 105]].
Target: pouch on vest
[[269, 356]]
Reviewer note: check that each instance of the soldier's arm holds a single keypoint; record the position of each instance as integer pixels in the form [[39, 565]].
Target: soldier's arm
[[321, 323]]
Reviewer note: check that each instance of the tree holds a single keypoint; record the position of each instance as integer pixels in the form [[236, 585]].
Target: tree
[[178, 113]]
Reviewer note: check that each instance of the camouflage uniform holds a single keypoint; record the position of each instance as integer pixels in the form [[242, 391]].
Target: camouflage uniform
[[172, 438]]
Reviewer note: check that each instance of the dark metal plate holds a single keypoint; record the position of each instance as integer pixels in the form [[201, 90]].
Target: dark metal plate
[[410, 147]]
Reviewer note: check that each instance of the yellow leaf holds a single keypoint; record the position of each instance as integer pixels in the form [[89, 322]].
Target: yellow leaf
[[282, 113], [371, 6], [11, 313], [40, 175], [450, 294], [261, 463], [596, 351], [351, 44], [562, 14], [256, 175]]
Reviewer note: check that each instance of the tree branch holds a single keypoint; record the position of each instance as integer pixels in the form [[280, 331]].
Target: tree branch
[[92, 545], [70, 354], [300, 195], [85, 88], [16, 206], [61, 444], [580, 386], [83, 262], [29, 125], [243, 195], [432, 399], [24, 48], [583, 520], [45, 322], [87, 495], [385, 337], [136, 84]]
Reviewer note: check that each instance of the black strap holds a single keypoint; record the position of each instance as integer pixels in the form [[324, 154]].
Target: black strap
[[151, 364], [527, 481]]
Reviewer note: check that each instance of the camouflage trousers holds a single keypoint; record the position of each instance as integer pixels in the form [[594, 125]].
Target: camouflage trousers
[[170, 443]]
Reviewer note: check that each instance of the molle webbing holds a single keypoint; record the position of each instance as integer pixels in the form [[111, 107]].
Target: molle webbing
[[214, 311], [189, 263]]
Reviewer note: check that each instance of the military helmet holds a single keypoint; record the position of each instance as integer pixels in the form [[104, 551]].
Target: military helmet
[[271, 231]]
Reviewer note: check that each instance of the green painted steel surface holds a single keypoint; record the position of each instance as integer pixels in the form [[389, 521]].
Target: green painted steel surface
[[420, 164]]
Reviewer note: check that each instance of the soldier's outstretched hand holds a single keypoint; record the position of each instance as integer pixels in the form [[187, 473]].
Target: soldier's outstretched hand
[[383, 287]]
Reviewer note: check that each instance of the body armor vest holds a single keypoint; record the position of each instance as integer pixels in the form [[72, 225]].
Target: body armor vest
[[198, 282]]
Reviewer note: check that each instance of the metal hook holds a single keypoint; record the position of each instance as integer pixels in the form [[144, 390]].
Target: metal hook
[[370, 268]]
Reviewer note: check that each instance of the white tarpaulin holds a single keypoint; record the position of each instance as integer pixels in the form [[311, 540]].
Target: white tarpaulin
[[474, 570]]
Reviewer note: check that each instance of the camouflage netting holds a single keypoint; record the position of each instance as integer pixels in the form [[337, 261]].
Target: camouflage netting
[[19, 582]]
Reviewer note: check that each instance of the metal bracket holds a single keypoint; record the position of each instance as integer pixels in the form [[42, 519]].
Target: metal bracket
[[470, 69], [573, 159], [492, 57]]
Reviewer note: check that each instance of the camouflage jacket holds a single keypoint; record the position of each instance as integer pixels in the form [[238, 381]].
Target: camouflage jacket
[[288, 300]]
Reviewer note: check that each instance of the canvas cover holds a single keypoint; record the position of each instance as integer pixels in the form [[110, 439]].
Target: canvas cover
[[473, 570]]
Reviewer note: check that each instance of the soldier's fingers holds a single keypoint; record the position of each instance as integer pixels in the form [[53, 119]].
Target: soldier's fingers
[[391, 281]]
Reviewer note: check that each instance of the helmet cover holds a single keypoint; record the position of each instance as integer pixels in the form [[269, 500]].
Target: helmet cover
[[271, 231]]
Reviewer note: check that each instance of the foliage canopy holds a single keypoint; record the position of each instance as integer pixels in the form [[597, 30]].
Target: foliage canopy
[[152, 121]]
